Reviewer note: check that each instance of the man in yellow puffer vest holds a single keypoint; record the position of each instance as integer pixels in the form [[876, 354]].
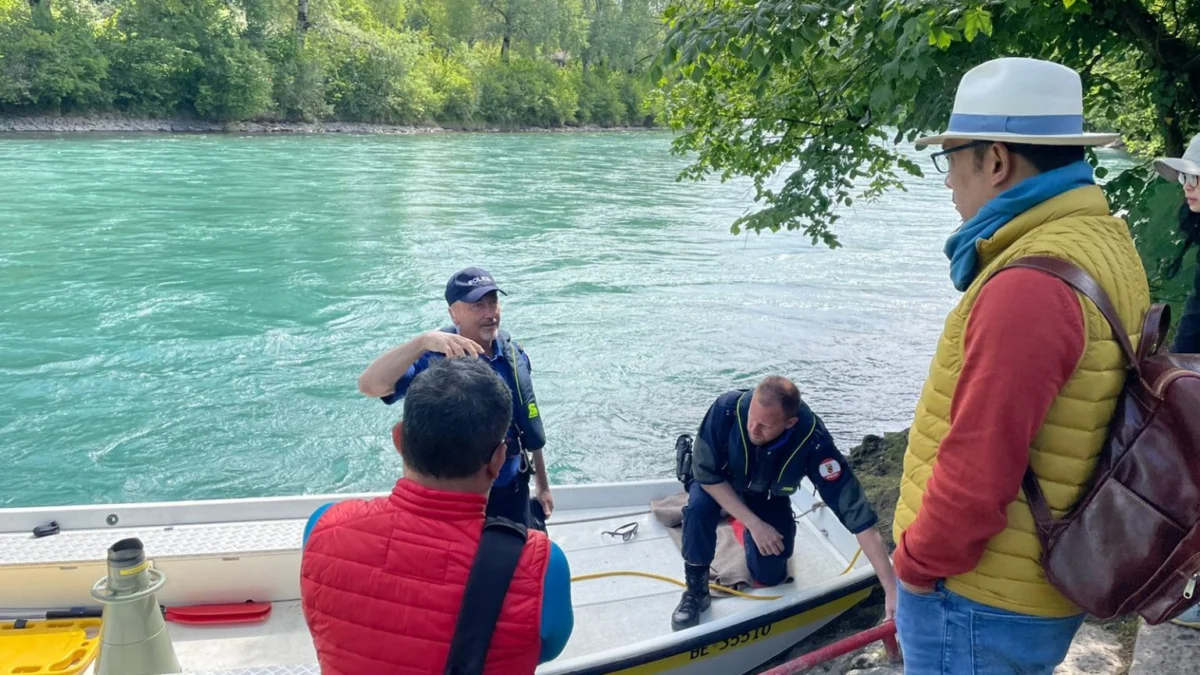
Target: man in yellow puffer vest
[[1026, 373]]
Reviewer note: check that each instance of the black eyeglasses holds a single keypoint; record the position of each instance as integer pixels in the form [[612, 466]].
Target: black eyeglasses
[[941, 160], [625, 532]]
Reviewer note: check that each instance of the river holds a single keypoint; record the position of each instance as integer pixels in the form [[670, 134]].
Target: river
[[185, 316]]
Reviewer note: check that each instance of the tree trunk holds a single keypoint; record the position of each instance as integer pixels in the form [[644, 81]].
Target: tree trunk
[[41, 14], [302, 23], [1174, 141], [505, 45], [1169, 51]]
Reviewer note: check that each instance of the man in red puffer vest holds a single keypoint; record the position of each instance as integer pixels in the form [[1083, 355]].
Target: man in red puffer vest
[[382, 581]]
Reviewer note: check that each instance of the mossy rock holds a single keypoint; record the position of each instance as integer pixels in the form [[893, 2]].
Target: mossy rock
[[877, 463]]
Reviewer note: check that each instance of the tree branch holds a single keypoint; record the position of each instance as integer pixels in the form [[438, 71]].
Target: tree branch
[[1169, 51], [789, 120], [1086, 73]]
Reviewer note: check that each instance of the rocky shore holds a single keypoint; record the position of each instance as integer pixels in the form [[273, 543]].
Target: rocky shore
[[119, 124], [1100, 648]]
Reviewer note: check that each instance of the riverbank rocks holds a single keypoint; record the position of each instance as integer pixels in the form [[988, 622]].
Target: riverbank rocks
[[1166, 649], [119, 124], [877, 463]]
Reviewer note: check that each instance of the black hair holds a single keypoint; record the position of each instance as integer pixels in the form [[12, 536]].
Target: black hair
[[782, 392], [1189, 225], [455, 414], [1043, 157]]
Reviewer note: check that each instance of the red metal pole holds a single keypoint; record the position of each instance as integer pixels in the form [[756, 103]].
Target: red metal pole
[[892, 647], [885, 631]]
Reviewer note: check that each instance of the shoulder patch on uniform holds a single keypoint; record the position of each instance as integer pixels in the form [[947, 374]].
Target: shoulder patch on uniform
[[831, 470], [533, 410]]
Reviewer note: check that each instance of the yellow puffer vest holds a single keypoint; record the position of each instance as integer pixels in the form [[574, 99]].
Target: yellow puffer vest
[[1076, 226]]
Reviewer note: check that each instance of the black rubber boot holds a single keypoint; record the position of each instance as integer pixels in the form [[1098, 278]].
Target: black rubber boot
[[695, 599]]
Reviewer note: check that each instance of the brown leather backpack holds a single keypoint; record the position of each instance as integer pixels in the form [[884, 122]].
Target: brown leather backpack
[[1132, 543]]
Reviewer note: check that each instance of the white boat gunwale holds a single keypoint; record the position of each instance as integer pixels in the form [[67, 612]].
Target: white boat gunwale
[[712, 644], [251, 509]]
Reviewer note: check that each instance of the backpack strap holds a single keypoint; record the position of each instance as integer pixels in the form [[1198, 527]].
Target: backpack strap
[[1083, 282], [496, 559], [1042, 516]]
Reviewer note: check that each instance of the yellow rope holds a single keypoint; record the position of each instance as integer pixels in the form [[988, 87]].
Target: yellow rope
[[715, 587], [659, 577], [852, 561]]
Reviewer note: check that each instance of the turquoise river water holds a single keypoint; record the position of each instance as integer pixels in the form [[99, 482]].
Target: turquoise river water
[[185, 317]]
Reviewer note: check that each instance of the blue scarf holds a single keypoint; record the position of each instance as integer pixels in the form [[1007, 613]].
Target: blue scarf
[[961, 246]]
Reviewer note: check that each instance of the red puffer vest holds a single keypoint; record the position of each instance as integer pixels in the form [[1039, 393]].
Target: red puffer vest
[[381, 583]]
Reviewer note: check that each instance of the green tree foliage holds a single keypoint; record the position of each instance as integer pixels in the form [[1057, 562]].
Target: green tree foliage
[[463, 62], [811, 99], [50, 66]]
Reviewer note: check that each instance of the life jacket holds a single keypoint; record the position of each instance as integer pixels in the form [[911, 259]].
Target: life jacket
[[382, 581], [526, 420], [772, 469], [1074, 226]]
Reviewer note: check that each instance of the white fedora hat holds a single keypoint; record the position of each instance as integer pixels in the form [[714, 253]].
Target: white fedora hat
[[1171, 167], [1019, 100]]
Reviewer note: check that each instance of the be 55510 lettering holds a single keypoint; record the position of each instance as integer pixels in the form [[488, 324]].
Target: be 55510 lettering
[[731, 642]]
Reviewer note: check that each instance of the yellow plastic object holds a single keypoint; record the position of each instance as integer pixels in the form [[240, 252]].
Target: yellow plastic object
[[55, 647]]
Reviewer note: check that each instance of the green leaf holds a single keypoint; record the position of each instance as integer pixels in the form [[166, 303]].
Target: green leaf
[[758, 59], [798, 50], [985, 21], [1068, 3], [881, 96]]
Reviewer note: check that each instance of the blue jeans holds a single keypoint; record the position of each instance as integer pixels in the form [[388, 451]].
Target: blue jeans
[[946, 634], [702, 515]]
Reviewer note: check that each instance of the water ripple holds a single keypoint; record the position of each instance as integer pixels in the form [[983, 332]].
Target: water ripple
[[185, 317]]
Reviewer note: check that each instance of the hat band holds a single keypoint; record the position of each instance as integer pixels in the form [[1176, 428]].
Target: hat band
[[1026, 125]]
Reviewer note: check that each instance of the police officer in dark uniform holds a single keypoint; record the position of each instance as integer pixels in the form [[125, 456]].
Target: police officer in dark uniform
[[473, 299], [752, 450]]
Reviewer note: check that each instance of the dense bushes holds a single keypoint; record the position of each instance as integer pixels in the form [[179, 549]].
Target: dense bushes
[[60, 70], [207, 59], [527, 92]]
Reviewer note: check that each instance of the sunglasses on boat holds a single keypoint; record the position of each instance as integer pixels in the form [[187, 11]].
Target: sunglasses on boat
[[1188, 180], [625, 532]]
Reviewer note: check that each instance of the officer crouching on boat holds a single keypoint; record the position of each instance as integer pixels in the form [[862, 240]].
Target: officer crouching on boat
[[752, 451], [473, 299]]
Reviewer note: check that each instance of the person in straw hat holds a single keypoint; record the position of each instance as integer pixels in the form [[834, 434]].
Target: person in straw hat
[[1186, 170], [1026, 373]]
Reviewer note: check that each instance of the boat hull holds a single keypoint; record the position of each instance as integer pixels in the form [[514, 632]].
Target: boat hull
[[231, 551]]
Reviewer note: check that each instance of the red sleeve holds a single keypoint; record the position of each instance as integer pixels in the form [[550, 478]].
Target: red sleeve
[[1024, 339]]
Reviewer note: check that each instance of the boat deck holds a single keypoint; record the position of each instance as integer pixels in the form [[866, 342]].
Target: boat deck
[[224, 561]]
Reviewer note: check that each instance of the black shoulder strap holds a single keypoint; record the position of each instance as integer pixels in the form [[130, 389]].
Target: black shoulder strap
[[499, 551]]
